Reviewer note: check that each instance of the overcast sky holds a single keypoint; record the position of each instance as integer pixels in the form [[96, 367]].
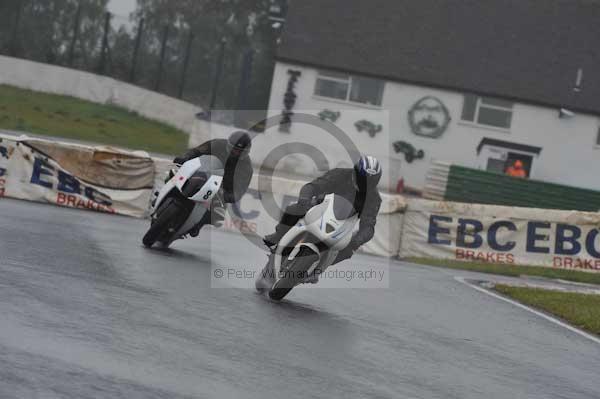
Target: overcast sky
[[121, 7]]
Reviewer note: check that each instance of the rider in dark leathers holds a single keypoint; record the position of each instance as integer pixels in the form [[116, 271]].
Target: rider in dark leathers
[[358, 185], [234, 154]]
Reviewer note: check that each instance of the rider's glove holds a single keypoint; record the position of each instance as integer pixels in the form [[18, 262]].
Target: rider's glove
[[354, 244], [179, 161], [304, 201], [306, 196], [344, 254]]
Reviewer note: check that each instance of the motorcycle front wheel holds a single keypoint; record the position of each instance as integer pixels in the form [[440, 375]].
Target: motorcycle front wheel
[[294, 274], [167, 214]]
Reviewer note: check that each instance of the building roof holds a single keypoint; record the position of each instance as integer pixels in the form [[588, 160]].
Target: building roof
[[508, 145], [525, 50]]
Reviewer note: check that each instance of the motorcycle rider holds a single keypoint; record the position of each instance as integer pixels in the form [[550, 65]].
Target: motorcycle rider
[[234, 154], [357, 185]]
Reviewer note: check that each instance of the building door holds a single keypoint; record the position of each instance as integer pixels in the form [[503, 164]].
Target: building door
[[497, 155], [527, 161]]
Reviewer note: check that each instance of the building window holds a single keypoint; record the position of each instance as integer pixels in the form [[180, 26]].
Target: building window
[[487, 111], [349, 88], [496, 165]]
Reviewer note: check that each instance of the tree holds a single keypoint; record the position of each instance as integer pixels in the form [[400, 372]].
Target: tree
[[243, 23], [121, 53], [45, 32], [45, 28]]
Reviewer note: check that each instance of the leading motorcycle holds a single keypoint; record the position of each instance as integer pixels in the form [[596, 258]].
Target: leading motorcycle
[[310, 247]]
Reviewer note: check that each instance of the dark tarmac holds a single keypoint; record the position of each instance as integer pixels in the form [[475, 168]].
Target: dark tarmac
[[87, 312]]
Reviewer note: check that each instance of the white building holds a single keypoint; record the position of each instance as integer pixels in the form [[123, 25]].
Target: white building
[[478, 84]]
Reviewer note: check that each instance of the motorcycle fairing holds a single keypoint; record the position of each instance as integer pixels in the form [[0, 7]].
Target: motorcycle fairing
[[321, 222]]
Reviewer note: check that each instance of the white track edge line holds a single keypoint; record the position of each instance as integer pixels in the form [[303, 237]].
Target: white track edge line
[[531, 310]]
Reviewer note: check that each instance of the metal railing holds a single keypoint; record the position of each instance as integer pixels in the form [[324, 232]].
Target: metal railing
[[201, 65]]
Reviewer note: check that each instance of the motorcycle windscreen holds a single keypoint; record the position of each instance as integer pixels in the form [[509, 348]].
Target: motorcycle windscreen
[[211, 165], [342, 208], [194, 183]]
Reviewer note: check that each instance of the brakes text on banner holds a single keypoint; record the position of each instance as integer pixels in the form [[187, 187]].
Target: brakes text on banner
[[68, 190], [35, 176], [502, 235]]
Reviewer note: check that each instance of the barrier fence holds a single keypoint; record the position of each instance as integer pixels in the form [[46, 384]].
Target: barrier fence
[[501, 235], [178, 50], [113, 181], [101, 179], [459, 184]]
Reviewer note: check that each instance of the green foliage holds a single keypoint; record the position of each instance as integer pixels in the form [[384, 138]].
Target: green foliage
[[46, 32], [46, 27], [67, 117], [243, 23], [581, 310], [512, 270]]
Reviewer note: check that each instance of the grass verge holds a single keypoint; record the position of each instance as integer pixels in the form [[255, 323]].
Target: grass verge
[[67, 117], [581, 310], [512, 270]]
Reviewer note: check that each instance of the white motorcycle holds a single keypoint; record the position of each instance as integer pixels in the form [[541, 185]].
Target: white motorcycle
[[310, 247], [184, 200]]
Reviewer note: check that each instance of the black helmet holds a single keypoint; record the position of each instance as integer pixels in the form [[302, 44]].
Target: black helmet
[[368, 173], [239, 144]]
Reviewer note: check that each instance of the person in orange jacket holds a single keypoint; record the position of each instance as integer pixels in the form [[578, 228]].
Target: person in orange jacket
[[516, 170]]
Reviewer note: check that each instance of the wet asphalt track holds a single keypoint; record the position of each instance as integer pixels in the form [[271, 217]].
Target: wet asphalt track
[[86, 312]]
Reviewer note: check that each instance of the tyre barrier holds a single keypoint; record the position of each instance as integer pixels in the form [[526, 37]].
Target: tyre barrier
[[116, 181], [97, 178]]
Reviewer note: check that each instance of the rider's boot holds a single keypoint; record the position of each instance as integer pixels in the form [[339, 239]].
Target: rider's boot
[[312, 279], [272, 240], [196, 230]]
